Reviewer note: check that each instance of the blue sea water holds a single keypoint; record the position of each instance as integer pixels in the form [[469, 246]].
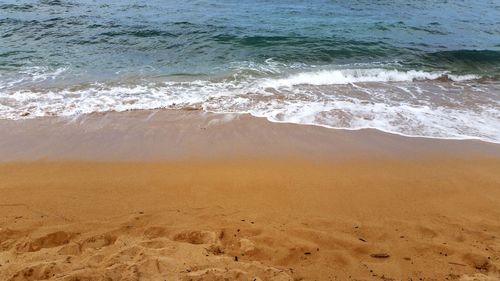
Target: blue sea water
[[418, 68]]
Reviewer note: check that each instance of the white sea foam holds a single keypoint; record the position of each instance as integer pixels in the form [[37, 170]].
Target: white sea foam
[[32, 74], [346, 76], [39, 73], [398, 102]]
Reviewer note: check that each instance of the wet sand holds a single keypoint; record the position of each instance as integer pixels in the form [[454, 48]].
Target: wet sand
[[169, 195]]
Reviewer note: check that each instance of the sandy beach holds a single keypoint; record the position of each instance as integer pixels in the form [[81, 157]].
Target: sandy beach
[[187, 195], [249, 140]]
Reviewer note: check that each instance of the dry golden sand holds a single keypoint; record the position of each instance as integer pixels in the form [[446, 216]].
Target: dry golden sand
[[294, 215]]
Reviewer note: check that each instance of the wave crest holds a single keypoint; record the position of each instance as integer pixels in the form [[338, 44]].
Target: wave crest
[[411, 102], [347, 76]]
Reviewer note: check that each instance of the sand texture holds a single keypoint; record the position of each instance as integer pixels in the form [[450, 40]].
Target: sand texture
[[250, 220], [192, 196]]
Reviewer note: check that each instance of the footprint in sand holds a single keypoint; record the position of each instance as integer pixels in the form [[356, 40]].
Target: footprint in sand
[[99, 241], [50, 240], [42, 271], [196, 237]]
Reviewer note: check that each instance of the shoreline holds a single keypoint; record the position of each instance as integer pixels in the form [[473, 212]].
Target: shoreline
[[186, 134], [188, 195], [250, 115]]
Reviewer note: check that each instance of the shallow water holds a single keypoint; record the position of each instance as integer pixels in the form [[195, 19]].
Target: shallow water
[[419, 68]]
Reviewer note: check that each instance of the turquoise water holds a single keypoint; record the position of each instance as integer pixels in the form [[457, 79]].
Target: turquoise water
[[418, 68]]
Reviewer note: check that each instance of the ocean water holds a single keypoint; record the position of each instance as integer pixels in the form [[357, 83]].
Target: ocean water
[[419, 68]]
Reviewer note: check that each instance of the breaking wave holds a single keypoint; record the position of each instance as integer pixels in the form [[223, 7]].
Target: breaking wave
[[411, 103], [346, 76]]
